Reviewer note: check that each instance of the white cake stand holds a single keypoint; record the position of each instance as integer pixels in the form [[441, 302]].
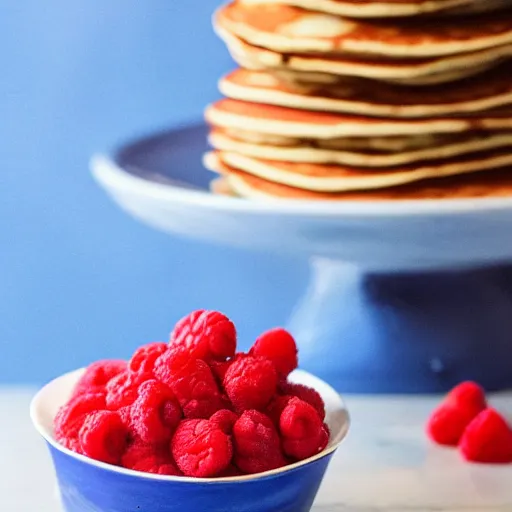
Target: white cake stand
[[409, 296]]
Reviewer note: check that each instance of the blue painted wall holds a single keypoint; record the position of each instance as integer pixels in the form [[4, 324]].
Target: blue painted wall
[[79, 280]]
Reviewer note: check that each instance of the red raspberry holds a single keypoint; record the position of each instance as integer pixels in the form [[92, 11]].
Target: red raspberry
[[303, 433], [144, 358], [201, 449], [207, 335], [125, 415], [276, 407], [256, 443], [487, 439], [225, 420], [122, 390], [104, 437], [69, 419], [192, 382], [156, 413], [138, 450], [231, 471], [149, 459], [468, 394], [450, 419], [279, 346], [250, 383], [308, 395], [97, 375], [73, 444], [219, 369]]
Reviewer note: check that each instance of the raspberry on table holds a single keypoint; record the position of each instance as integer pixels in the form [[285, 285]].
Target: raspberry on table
[[97, 375], [103, 437], [144, 358], [192, 382], [256, 443], [279, 346], [70, 417], [487, 439], [303, 432], [122, 390], [250, 383], [307, 394], [206, 335], [156, 413], [449, 420], [225, 420], [470, 394], [201, 449]]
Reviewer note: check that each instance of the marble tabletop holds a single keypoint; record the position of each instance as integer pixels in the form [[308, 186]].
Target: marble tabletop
[[386, 464]]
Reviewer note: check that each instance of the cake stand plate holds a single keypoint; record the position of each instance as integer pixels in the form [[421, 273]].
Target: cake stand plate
[[405, 296]]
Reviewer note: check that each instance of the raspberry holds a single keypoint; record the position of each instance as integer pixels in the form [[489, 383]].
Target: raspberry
[[225, 420], [207, 335], [469, 394], [257, 444], [487, 439], [69, 419], [276, 407], [97, 375], [124, 414], [250, 383], [219, 369], [168, 469], [302, 430], [104, 437], [201, 449], [192, 382], [231, 471], [122, 390], [144, 358], [138, 451], [449, 420], [156, 413], [149, 459], [172, 413], [308, 395], [279, 346], [73, 444]]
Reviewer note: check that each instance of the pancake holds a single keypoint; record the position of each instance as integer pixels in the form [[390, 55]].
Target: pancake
[[381, 145], [337, 178], [328, 68], [389, 8], [358, 96], [273, 120], [289, 29], [478, 185], [220, 186], [304, 154]]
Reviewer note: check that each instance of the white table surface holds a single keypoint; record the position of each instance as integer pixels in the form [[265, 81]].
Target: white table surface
[[386, 464]]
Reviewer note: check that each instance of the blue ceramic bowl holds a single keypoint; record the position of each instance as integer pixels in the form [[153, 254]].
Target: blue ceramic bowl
[[89, 486]]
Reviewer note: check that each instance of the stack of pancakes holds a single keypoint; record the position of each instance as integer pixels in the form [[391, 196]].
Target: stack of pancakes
[[364, 99]]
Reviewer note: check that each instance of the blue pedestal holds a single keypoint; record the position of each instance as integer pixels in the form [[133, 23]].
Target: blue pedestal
[[410, 333]]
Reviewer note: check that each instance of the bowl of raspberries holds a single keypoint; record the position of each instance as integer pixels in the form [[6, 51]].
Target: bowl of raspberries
[[192, 425]]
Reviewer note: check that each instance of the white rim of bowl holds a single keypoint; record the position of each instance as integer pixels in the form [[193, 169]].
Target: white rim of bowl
[[48, 437], [113, 177]]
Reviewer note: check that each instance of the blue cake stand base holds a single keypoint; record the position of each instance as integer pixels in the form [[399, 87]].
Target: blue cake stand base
[[382, 313], [406, 333]]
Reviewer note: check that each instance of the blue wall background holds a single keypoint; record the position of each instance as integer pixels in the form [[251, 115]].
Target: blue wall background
[[79, 280]]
